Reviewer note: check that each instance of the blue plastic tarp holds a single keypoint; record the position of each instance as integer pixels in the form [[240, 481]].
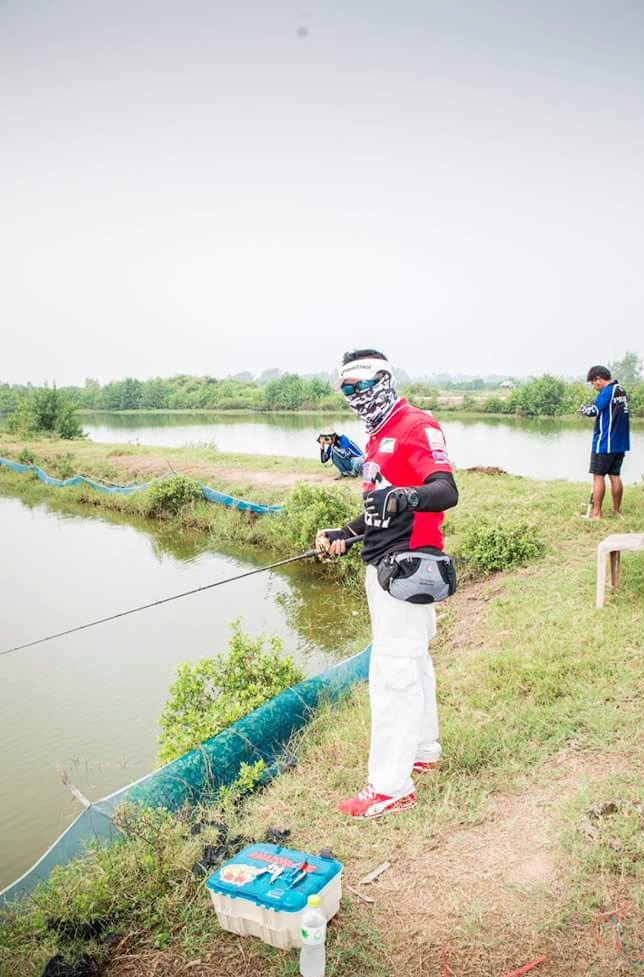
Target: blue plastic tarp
[[212, 495]]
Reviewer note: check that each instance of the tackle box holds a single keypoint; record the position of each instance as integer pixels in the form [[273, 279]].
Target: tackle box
[[258, 892]]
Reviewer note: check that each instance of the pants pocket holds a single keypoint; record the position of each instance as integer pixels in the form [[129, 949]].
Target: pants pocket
[[398, 674]]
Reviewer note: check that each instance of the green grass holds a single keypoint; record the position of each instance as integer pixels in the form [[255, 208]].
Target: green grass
[[603, 837], [144, 882], [128, 463], [354, 946], [547, 675], [542, 674]]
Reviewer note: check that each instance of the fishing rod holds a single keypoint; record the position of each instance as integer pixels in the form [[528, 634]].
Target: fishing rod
[[166, 600]]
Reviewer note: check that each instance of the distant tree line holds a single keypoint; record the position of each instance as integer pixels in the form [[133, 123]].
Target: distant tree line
[[288, 392], [544, 396]]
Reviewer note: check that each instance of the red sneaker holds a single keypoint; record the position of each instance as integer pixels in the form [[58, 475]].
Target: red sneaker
[[369, 804], [424, 766]]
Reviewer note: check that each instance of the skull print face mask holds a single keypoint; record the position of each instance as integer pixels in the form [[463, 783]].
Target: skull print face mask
[[374, 405]]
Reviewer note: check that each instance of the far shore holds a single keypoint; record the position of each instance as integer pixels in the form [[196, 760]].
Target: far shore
[[440, 409]]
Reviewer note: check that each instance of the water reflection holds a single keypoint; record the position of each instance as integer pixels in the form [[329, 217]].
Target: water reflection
[[92, 699], [538, 447]]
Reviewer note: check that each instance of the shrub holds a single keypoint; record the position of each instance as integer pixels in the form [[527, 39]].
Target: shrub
[[26, 457], [545, 396], [636, 400], [212, 693], [490, 546], [21, 421], [231, 796], [493, 405], [310, 508], [167, 497], [67, 424], [65, 465], [46, 409]]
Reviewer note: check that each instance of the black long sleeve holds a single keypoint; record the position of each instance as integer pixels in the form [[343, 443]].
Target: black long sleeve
[[438, 493], [355, 527]]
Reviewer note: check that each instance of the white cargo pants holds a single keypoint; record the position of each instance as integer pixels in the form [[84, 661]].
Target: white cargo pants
[[402, 689]]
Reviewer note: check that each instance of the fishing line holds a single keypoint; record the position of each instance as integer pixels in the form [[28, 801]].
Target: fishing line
[[166, 600]]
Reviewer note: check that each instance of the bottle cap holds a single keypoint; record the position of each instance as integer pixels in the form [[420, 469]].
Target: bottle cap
[[313, 901]]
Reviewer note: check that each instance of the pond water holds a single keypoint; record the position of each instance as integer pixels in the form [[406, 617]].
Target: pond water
[[91, 700], [537, 448]]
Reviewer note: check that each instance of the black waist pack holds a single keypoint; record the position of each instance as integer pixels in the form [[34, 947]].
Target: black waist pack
[[420, 578]]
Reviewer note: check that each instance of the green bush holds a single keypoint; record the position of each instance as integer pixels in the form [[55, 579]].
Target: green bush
[[21, 421], [114, 887], [45, 409], [496, 405], [230, 796], [490, 546], [67, 425], [636, 400], [212, 693], [310, 508], [169, 496], [26, 457], [65, 465], [545, 396]]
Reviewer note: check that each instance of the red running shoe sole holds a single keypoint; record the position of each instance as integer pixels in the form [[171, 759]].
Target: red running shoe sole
[[396, 807]]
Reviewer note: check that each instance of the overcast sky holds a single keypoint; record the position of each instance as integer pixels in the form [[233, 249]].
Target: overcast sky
[[209, 187]]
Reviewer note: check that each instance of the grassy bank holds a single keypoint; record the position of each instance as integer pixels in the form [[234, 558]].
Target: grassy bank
[[449, 404], [532, 827], [216, 412], [255, 477], [312, 499]]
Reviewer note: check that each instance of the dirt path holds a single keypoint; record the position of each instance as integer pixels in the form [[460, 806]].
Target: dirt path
[[146, 466], [219, 471], [484, 892]]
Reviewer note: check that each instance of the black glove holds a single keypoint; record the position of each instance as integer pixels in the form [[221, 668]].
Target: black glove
[[324, 537], [382, 505]]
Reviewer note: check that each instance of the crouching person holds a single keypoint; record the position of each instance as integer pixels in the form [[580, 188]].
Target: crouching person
[[343, 452], [407, 485]]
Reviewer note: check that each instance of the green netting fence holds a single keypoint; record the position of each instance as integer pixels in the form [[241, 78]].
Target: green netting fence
[[212, 495], [264, 734]]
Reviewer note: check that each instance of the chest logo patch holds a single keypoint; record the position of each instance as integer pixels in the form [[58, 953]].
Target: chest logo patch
[[435, 437], [388, 445]]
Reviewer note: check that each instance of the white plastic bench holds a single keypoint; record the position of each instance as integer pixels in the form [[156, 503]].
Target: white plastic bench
[[612, 546]]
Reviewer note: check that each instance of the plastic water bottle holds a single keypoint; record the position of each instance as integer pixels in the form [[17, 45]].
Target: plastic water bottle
[[313, 936]]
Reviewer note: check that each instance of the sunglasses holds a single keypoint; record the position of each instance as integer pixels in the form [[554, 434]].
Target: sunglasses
[[351, 388]]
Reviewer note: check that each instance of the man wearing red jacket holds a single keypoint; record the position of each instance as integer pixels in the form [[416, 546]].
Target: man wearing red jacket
[[407, 485]]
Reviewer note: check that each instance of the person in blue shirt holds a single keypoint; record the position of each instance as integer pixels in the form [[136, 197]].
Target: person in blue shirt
[[341, 450], [611, 439]]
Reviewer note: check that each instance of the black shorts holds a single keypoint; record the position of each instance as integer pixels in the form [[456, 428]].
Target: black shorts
[[606, 464]]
